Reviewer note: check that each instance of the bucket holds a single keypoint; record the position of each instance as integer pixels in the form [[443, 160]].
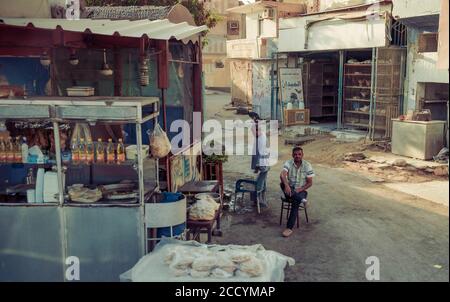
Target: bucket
[[168, 197], [177, 230]]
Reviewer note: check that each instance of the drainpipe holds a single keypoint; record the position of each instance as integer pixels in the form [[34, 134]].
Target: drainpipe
[[272, 88], [340, 89], [372, 79], [277, 88]]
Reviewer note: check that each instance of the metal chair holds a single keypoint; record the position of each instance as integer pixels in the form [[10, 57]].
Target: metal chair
[[286, 204], [258, 188]]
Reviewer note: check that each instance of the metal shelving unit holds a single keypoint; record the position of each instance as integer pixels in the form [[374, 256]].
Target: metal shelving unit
[[373, 92], [321, 92]]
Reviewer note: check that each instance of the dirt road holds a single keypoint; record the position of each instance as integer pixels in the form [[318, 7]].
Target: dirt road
[[351, 219]]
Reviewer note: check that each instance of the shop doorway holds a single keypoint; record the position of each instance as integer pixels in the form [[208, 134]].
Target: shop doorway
[[357, 91]]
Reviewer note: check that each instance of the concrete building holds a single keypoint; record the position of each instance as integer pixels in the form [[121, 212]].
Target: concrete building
[[252, 57], [216, 68], [427, 77]]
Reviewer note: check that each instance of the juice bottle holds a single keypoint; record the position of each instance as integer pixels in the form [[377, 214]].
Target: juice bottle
[[9, 150], [24, 149], [82, 151], [89, 152], [75, 149], [17, 150], [120, 152], [100, 152], [110, 154], [2, 151]]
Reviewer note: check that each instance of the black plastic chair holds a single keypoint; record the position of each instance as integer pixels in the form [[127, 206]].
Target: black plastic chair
[[286, 204]]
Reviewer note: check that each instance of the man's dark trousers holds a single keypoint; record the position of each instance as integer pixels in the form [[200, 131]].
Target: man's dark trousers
[[296, 201]]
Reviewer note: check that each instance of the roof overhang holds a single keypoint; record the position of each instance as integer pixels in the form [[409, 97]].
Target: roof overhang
[[158, 29], [427, 23]]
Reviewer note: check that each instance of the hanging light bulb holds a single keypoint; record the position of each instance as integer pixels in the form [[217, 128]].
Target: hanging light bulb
[[106, 71], [73, 59], [45, 59]]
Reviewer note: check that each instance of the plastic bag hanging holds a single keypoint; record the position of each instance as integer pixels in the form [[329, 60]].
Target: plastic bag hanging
[[159, 143]]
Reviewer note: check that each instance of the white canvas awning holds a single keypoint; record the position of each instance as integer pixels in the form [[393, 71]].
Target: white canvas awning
[[328, 32], [158, 29]]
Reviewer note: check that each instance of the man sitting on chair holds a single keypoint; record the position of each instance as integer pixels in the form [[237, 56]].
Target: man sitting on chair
[[297, 178]]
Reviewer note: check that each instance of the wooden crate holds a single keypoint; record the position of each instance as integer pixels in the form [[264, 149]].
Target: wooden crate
[[296, 117]]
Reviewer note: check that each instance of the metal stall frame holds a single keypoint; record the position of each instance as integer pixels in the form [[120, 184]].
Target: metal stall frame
[[105, 110]]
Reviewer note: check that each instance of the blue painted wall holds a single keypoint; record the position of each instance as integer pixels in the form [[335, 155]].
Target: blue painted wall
[[25, 71]]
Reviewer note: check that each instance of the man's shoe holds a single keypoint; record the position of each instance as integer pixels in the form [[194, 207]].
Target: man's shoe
[[287, 233], [304, 203]]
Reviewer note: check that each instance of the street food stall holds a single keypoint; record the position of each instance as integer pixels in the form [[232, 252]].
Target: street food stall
[[76, 177]]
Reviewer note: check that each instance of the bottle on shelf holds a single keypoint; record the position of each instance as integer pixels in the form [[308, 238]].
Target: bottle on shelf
[[120, 152], [9, 150], [2, 151], [100, 152], [30, 177], [82, 152], [24, 149], [75, 149], [17, 150], [110, 152], [89, 151]]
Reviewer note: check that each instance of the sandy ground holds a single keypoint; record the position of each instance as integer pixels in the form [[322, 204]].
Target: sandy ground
[[351, 219]]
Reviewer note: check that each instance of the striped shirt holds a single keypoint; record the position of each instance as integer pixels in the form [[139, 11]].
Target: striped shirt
[[297, 176]]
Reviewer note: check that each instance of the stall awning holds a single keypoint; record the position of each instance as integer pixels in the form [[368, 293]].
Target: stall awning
[[328, 32], [158, 29]]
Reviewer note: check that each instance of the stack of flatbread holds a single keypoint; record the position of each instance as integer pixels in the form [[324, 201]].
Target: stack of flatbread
[[79, 193], [204, 209], [199, 262]]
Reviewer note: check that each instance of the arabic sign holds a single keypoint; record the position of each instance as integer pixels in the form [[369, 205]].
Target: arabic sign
[[291, 85]]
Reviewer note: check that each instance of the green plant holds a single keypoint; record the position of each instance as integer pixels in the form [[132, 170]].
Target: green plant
[[215, 158]]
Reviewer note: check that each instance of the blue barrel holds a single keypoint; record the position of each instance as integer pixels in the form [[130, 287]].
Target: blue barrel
[[177, 229]]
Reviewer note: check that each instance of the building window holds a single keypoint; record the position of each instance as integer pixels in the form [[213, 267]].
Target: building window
[[219, 64], [233, 28], [260, 27], [428, 42]]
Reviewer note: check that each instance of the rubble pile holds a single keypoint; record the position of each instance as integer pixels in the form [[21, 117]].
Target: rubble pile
[[395, 170]]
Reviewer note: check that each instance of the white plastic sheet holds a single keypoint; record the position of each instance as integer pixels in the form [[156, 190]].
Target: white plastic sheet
[[152, 268]]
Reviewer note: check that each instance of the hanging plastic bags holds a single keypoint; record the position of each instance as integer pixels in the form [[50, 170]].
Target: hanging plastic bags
[[159, 143], [81, 131]]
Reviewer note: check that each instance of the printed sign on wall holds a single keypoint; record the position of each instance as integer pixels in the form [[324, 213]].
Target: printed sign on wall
[[291, 85]]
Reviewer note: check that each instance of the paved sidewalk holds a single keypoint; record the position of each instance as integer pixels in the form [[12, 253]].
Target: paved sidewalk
[[436, 191]]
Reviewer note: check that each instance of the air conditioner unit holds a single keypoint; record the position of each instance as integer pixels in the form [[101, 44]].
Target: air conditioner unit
[[268, 13], [233, 25]]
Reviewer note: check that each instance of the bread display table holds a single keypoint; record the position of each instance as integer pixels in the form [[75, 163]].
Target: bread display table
[[197, 227], [177, 261]]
